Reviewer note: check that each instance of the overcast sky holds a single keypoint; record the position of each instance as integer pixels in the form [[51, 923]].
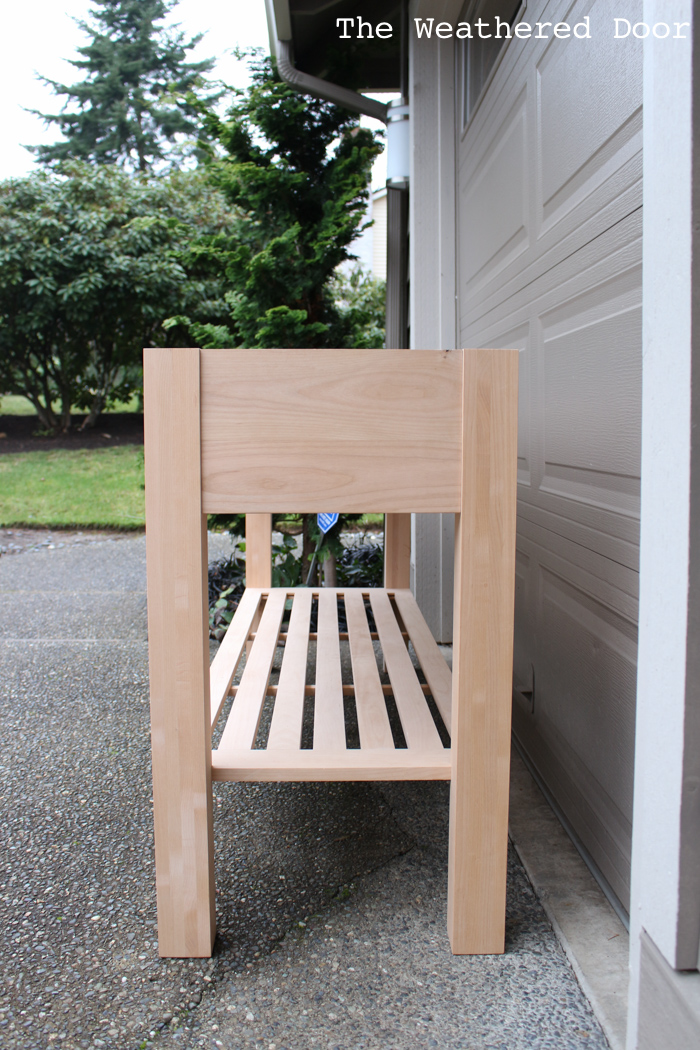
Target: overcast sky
[[38, 36]]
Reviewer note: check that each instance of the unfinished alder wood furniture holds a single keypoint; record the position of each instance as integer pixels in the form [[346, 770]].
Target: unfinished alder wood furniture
[[347, 430]]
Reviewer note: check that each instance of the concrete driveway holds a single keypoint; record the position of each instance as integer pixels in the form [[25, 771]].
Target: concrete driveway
[[331, 897]]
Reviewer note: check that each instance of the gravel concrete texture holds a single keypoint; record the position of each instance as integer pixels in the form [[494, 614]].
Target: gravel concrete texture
[[18, 540], [331, 897], [593, 936]]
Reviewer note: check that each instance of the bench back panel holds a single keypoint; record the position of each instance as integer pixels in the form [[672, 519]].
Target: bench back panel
[[333, 430]]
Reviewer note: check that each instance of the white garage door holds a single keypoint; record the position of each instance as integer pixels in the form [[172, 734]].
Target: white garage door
[[549, 261]]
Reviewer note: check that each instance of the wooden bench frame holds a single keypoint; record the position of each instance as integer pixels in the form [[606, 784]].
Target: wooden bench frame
[[348, 430]]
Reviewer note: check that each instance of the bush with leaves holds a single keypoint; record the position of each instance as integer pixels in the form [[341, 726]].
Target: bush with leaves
[[360, 300], [360, 564], [90, 265]]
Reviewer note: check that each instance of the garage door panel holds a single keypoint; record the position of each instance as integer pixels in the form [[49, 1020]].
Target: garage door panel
[[569, 298], [586, 657], [578, 647], [622, 549], [592, 426], [518, 338], [565, 516], [609, 207], [598, 822], [500, 235], [574, 409], [610, 583], [614, 253], [583, 127], [522, 645], [592, 175], [592, 432]]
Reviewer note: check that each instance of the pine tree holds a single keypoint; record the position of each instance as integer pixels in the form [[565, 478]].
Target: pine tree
[[139, 95]]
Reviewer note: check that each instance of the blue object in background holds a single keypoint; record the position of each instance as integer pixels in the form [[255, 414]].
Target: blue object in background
[[326, 521]]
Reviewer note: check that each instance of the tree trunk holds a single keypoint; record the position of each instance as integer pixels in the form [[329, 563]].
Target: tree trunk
[[307, 552], [330, 575], [46, 415], [94, 413]]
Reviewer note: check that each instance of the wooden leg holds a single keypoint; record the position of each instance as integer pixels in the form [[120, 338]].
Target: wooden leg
[[483, 655], [176, 555], [258, 558], [397, 550], [258, 550], [397, 555]]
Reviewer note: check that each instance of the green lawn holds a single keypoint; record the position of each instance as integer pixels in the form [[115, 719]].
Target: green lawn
[[14, 405], [98, 488], [82, 488]]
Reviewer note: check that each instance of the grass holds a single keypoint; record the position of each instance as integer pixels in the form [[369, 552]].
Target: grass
[[368, 521], [15, 405], [85, 488], [88, 488]]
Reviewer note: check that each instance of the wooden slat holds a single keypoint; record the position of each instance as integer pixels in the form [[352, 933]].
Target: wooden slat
[[342, 635], [373, 430], [397, 550], [310, 690], [288, 713], [434, 667], [178, 654], [372, 717], [416, 720], [329, 714], [225, 663], [338, 591], [483, 654], [242, 723], [352, 764]]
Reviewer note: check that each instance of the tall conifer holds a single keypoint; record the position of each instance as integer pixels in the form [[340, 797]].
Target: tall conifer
[[139, 96], [298, 170]]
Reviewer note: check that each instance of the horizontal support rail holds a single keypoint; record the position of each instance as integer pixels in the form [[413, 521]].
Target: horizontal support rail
[[352, 764]]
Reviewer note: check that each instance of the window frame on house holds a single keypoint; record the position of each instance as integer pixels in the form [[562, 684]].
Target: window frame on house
[[471, 51]]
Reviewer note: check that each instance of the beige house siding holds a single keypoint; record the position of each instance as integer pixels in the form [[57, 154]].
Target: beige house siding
[[379, 234]]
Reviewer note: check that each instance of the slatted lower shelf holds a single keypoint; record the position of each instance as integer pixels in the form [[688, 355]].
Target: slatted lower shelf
[[390, 616]]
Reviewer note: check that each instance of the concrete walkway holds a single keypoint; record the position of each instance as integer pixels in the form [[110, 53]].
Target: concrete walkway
[[331, 898]]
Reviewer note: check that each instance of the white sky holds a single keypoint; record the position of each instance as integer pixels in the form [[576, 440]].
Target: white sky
[[38, 36]]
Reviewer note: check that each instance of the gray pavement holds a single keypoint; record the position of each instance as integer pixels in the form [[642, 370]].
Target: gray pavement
[[331, 897]]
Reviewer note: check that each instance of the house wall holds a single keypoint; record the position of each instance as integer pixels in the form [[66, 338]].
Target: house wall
[[665, 913], [544, 190], [378, 232], [432, 299], [549, 261], [370, 247]]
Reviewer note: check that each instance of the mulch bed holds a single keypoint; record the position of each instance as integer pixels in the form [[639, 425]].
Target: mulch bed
[[19, 433]]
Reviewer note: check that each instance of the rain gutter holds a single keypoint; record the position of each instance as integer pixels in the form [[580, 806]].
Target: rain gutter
[[280, 28]]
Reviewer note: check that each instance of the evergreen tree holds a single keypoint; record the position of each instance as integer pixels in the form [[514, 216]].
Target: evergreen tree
[[298, 170], [139, 93]]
